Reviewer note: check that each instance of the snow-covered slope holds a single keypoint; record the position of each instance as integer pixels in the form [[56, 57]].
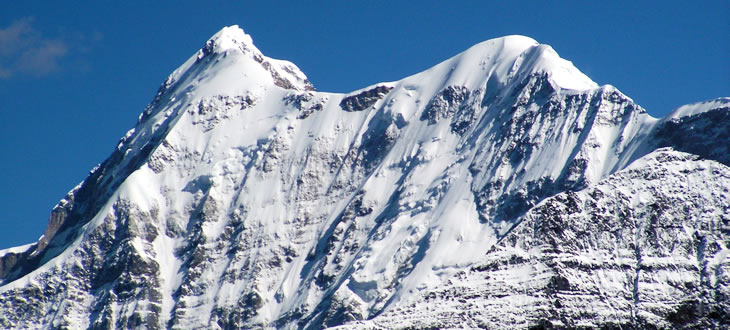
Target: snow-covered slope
[[646, 247], [244, 198]]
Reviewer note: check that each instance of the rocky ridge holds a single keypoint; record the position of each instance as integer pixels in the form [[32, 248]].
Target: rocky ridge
[[644, 248]]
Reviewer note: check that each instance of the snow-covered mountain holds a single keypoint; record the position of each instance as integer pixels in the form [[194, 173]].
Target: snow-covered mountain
[[499, 188]]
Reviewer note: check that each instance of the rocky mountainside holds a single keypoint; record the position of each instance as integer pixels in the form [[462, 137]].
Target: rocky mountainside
[[500, 188], [644, 248]]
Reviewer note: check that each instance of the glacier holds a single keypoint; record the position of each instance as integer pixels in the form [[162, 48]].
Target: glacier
[[499, 188]]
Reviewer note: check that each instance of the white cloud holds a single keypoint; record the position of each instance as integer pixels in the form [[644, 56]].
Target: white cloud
[[24, 50]]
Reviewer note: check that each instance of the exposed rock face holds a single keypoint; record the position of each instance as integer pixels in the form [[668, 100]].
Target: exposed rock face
[[365, 99], [644, 248], [245, 199]]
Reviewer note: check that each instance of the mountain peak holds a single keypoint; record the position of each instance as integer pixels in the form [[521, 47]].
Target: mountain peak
[[527, 56], [500, 61], [229, 37], [244, 200], [514, 42], [561, 72], [247, 61]]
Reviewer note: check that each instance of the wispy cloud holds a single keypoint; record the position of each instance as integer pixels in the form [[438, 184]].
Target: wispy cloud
[[25, 50]]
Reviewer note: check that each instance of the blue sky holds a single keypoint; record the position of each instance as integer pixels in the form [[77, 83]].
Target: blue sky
[[74, 77]]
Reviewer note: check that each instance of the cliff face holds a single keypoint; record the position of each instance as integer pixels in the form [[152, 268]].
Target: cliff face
[[501, 180], [644, 248]]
